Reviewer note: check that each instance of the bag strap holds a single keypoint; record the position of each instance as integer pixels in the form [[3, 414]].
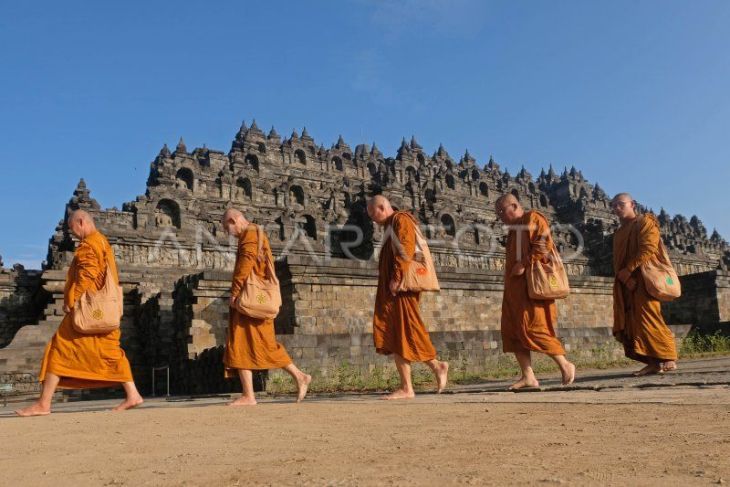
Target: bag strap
[[259, 243], [521, 236], [108, 253], [662, 254], [261, 255], [109, 261], [419, 236]]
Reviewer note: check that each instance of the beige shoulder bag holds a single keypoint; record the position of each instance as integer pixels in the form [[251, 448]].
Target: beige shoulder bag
[[547, 280], [260, 298], [421, 273], [660, 278], [100, 312]]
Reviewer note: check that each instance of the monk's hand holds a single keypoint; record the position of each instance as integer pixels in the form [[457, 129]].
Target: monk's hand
[[66, 309], [394, 285], [518, 269], [232, 301], [623, 275], [631, 284]]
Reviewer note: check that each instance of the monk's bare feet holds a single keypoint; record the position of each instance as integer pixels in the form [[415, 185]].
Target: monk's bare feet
[[648, 370], [129, 403], [568, 374], [669, 366], [442, 376], [524, 383], [303, 386], [399, 394], [33, 410], [243, 401]]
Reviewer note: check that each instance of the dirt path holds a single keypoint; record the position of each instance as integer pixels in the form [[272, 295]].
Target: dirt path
[[670, 436]]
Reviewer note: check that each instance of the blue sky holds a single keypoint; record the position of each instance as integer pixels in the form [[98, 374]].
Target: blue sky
[[634, 93]]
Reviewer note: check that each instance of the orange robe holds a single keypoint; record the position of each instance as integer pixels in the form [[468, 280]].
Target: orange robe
[[527, 324], [251, 342], [397, 324], [637, 316], [86, 361]]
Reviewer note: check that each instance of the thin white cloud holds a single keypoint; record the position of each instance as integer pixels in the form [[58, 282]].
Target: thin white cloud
[[460, 18], [370, 76]]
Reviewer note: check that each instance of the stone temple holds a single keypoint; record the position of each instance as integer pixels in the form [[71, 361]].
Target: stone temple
[[175, 262]]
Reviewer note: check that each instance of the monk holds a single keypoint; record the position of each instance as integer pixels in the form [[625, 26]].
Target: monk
[[397, 326], [528, 325], [637, 316], [79, 361], [251, 343]]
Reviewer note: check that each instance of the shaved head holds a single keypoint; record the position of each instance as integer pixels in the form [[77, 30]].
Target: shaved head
[[624, 207], [379, 200], [80, 215], [232, 213], [505, 199], [81, 223], [234, 222], [622, 197], [508, 208], [379, 209]]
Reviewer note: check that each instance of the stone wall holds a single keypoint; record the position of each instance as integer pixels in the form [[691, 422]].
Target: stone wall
[[723, 296], [326, 319], [19, 294], [705, 300]]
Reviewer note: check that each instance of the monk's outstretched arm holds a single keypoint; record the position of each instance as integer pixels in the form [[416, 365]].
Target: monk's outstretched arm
[[87, 270], [245, 260], [648, 244], [405, 232]]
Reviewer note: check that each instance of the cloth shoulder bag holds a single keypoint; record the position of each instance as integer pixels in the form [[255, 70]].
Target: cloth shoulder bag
[[421, 273], [660, 278], [547, 280], [260, 297], [100, 312]]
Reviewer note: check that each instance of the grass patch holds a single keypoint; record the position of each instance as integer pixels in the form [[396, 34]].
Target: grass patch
[[383, 377], [504, 366], [342, 378], [698, 344], [346, 377]]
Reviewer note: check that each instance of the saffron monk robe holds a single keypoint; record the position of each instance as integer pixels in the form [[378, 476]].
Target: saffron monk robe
[[78, 361], [527, 325], [251, 343], [637, 316], [397, 326]]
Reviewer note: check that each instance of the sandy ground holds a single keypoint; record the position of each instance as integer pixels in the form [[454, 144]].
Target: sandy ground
[[676, 435]]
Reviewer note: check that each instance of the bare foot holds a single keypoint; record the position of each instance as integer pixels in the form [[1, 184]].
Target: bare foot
[[669, 366], [442, 376], [243, 401], [648, 370], [302, 386], [399, 394], [568, 374], [129, 403], [33, 410], [524, 383]]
